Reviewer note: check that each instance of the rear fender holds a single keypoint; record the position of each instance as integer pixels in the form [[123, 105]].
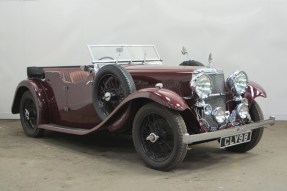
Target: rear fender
[[37, 91], [254, 90]]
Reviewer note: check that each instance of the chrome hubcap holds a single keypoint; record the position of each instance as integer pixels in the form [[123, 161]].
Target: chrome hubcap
[[152, 138], [27, 114], [107, 96]]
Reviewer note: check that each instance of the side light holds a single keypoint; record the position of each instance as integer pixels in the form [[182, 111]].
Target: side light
[[207, 109]]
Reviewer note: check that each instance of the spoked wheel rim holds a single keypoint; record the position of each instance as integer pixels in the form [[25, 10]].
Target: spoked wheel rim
[[30, 114], [156, 137], [110, 93]]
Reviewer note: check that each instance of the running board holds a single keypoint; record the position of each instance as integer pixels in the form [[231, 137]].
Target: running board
[[64, 129]]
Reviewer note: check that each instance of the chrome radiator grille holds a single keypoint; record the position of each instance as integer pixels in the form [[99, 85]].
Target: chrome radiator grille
[[216, 101], [218, 83]]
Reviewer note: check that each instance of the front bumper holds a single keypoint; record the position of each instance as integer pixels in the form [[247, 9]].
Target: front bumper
[[189, 139]]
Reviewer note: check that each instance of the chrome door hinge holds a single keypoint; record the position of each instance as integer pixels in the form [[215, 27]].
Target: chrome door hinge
[[89, 82]]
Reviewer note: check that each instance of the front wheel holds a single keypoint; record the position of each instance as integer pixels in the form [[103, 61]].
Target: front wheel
[[256, 115], [157, 136]]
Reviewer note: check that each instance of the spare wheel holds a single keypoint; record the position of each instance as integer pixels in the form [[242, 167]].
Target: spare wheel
[[111, 85]]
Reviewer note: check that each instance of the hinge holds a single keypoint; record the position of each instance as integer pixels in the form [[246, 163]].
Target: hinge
[[66, 87]]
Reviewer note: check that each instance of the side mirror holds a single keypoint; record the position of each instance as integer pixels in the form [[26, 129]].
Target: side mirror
[[119, 50]]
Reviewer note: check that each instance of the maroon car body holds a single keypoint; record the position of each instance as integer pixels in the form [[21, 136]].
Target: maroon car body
[[64, 102]]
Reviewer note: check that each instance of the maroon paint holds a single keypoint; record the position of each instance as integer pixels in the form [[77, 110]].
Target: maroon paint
[[52, 98], [254, 90], [37, 91]]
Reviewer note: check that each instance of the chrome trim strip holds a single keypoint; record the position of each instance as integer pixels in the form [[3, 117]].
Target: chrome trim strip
[[218, 94], [208, 71], [188, 139]]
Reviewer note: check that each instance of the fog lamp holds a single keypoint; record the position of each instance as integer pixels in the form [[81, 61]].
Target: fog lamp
[[242, 111], [219, 115]]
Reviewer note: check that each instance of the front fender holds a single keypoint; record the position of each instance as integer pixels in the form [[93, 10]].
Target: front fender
[[162, 96], [254, 90], [36, 89]]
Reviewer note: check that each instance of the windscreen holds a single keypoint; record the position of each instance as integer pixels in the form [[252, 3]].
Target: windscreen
[[123, 53]]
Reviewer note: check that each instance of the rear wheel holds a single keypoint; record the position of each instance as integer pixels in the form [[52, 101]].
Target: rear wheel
[[256, 115], [28, 116], [157, 136]]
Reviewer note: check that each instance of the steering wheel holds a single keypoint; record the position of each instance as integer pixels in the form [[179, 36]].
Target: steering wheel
[[106, 58]]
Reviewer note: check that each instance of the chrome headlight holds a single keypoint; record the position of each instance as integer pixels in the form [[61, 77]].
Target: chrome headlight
[[237, 82], [202, 85]]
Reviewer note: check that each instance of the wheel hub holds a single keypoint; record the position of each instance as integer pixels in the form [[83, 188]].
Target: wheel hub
[[152, 138], [27, 114], [107, 96]]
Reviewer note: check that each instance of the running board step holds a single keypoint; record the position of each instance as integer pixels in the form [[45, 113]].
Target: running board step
[[64, 129]]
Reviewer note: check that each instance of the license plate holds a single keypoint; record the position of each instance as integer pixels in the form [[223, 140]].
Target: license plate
[[235, 139]]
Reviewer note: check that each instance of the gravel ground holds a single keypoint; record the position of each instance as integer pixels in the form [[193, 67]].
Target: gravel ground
[[109, 162]]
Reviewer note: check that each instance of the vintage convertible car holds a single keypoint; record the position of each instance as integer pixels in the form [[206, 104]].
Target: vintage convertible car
[[126, 89]]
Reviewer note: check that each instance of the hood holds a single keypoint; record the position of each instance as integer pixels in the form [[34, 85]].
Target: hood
[[175, 78], [160, 69]]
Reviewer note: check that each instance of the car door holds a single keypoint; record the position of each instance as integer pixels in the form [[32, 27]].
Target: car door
[[80, 110]]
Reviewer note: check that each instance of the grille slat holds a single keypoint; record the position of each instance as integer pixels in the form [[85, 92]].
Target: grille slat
[[216, 101]]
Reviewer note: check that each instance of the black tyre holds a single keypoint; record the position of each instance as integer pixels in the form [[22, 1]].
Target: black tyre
[[112, 84], [157, 136], [191, 63], [28, 116], [256, 115]]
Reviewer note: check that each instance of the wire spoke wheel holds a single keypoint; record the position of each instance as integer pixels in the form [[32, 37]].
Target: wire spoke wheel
[[110, 93], [161, 149], [157, 136], [112, 84]]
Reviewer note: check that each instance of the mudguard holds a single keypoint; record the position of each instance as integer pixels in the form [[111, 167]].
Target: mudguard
[[162, 96], [36, 89], [253, 91]]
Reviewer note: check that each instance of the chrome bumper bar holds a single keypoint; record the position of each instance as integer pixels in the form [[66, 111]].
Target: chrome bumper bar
[[188, 139]]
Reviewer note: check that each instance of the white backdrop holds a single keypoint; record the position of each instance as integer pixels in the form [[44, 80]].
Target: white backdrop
[[242, 34]]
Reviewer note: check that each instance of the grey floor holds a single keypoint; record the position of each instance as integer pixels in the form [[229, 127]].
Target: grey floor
[[108, 162]]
